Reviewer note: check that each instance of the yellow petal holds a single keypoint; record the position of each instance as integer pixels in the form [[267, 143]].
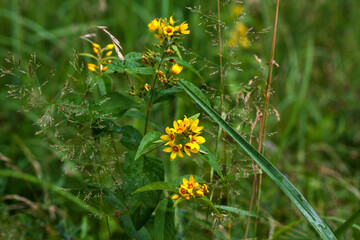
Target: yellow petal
[[169, 149]]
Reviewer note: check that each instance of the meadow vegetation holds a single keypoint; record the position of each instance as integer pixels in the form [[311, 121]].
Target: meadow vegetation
[[179, 119]]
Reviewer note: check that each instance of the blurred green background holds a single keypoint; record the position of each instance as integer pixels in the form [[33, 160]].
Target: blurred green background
[[316, 91]]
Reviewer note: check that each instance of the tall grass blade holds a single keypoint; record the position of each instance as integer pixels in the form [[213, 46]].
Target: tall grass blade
[[284, 184], [346, 225]]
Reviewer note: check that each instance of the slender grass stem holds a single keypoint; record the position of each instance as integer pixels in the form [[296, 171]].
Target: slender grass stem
[[263, 123], [223, 111]]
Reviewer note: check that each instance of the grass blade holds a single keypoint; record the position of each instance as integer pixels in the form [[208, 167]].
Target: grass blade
[[346, 225], [284, 184]]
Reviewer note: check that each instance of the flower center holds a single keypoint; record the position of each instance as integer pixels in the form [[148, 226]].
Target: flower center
[[190, 185], [175, 149], [168, 30], [183, 191]]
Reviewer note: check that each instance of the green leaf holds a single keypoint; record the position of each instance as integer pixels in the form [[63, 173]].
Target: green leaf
[[101, 85], [164, 223], [208, 157], [279, 179], [346, 225], [194, 89], [190, 67], [194, 117], [176, 49], [178, 201], [113, 200], [113, 104], [147, 142], [133, 56], [165, 94], [54, 188], [157, 186], [131, 67], [137, 174], [206, 201], [130, 136], [238, 211], [140, 234]]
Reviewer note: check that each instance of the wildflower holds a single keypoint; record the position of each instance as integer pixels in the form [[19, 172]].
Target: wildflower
[[171, 21], [195, 141], [194, 127], [179, 126], [238, 35], [101, 57], [92, 67], [103, 68], [154, 25], [185, 135], [183, 28], [110, 46], [184, 193], [175, 151], [176, 69], [175, 197], [191, 188], [170, 137], [168, 30], [189, 148], [95, 45], [147, 87], [190, 184]]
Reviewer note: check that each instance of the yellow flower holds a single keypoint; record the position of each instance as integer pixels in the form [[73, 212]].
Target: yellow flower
[[204, 187], [189, 148], [183, 28], [200, 192], [195, 141], [92, 67], [179, 126], [194, 127], [110, 46], [176, 69], [168, 30], [170, 137], [171, 21], [147, 87], [103, 68], [154, 25], [96, 50], [175, 151], [184, 193], [95, 45], [190, 184], [175, 197], [108, 53]]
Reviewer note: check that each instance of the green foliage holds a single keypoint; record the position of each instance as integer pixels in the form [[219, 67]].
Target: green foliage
[[147, 143], [279, 179], [80, 151]]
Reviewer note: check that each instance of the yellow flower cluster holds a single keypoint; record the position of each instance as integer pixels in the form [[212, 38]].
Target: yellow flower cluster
[[238, 35], [166, 30], [102, 55], [191, 188], [183, 137]]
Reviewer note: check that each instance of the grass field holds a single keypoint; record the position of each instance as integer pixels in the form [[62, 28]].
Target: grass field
[[312, 133]]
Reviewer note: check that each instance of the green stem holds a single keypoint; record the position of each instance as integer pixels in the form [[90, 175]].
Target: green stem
[[150, 103]]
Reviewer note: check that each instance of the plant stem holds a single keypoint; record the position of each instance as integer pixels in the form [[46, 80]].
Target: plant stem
[[149, 106], [223, 112], [263, 124]]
